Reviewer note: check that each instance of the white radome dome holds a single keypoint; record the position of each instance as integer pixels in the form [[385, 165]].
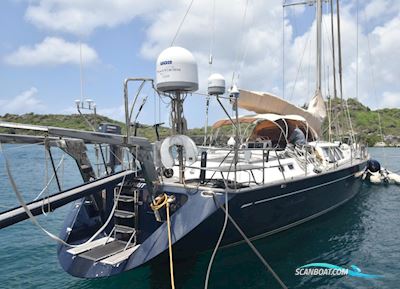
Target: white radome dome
[[216, 84], [176, 70]]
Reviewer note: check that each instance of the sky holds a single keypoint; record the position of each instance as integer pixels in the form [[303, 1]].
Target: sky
[[266, 48]]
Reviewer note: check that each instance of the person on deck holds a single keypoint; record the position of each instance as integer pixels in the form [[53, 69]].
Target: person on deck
[[297, 137]]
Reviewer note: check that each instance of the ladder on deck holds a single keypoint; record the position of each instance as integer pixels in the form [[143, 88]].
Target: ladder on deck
[[126, 213], [122, 241]]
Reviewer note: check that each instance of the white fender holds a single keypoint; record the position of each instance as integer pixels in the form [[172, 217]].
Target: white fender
[[189, 150], [394, 178], [375, 178]]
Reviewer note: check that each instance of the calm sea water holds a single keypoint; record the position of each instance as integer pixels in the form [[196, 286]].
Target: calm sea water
[[364, 232]]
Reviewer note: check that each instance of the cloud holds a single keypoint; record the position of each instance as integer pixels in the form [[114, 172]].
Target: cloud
[[117, 112], [51, 51], [391, 99], [376, 9], [253, 48], [26, 101], [82, 17], [258, 46]]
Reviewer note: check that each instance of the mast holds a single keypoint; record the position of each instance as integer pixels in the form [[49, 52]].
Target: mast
[[333, 53], [319, 42], [339, 50], [178, 128]]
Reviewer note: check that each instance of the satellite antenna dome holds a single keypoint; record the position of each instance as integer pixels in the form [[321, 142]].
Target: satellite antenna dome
[[176, 71], [216, 84]]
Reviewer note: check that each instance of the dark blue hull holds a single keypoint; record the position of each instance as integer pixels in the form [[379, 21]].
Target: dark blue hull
[[197, 224], [269, 210]]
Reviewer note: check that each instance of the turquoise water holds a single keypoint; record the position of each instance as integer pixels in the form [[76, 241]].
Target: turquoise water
[[364, 232]]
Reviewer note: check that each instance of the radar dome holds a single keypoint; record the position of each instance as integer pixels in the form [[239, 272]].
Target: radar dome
[[216, 84], [176, 70]]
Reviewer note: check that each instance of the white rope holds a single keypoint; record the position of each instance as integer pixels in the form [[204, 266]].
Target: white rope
[[23, 203], [33, 218], [23, 146], [252, 247], [51, 179], [218, 242]]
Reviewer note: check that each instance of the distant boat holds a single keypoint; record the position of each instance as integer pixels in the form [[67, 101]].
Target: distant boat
[[380, 144]]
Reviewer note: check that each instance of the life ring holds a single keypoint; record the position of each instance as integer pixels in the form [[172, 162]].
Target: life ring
[[189, 150]]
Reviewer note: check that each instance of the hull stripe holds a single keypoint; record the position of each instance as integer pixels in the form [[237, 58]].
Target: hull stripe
[[295, 192], [289, 225]]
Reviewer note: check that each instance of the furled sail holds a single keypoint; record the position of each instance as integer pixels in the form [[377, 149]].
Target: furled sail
[[262, 102], [317, 106]]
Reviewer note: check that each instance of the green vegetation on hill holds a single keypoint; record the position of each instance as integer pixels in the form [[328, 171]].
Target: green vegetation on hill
[[365, 123], [76, 121], [73, 121]]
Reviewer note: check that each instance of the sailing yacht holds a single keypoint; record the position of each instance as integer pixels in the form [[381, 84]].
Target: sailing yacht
[[176, 195]]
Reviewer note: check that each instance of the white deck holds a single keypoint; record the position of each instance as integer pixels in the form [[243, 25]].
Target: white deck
[[119, 257], [86, 247]]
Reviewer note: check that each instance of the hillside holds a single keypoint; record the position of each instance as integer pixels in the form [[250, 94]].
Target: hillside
[[75, 121], [365, 123]]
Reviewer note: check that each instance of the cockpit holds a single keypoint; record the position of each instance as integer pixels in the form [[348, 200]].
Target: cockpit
[[263, 130]]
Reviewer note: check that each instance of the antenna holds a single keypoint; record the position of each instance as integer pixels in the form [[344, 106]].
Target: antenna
[[80, 68], [177, 75]]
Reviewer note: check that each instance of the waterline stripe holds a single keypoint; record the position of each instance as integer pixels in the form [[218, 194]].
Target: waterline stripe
[[295, 192]]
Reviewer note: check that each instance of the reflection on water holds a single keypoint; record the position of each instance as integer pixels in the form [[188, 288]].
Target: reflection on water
[[364, 232]]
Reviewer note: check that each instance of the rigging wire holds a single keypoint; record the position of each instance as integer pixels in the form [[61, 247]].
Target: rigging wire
[[283, 48], [371, 65], [245, 50], [237, 63], [81, 68], [181, 23], [212, 38], [383, 139], [309, 71], [357, 51], [350, 123], [300, 65]]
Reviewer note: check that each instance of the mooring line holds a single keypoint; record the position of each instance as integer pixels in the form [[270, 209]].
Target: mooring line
[[252, 247]]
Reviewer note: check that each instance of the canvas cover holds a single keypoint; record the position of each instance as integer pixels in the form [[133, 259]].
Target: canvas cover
[[262, 103]]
